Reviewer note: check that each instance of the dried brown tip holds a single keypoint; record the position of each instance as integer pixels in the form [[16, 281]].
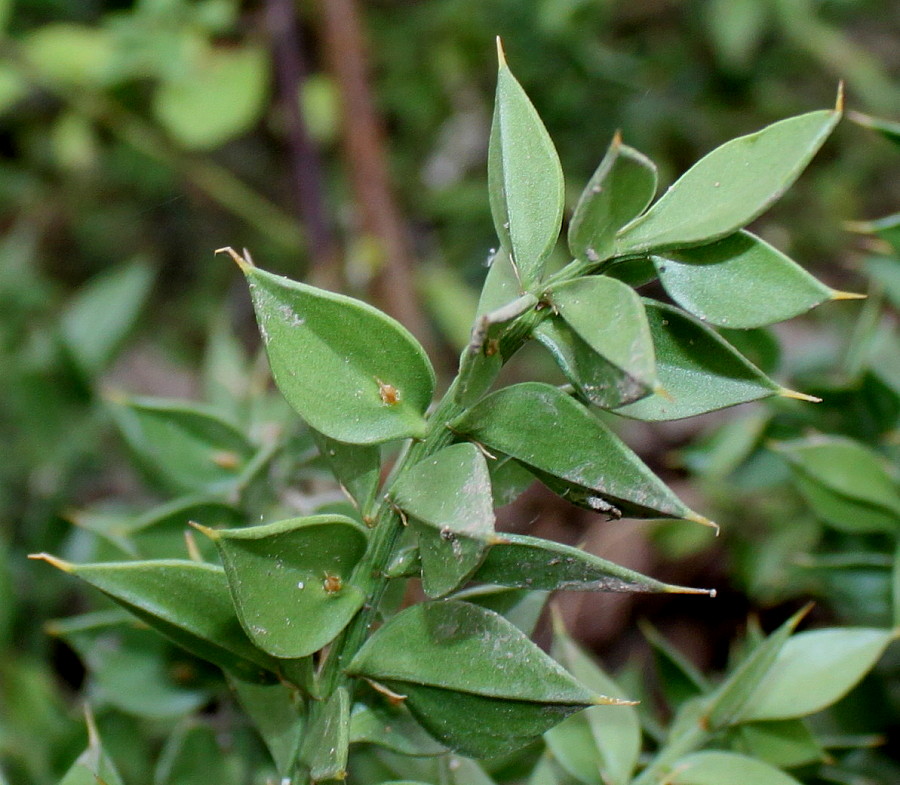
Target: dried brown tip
[[798, 396]]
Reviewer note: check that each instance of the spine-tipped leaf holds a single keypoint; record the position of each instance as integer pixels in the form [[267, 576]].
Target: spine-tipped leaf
[[619, 191], [552, 433], [740, 282], [732, 185], [473, 680], [525, 179], [290, 580], [349, 370], [449, 499]]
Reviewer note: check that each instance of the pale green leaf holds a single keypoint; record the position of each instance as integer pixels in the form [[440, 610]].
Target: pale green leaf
[[326, 739], [350, 371], [357, 467], [729, 187], [712, 767]]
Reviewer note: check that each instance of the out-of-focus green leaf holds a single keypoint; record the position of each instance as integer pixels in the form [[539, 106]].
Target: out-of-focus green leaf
[[93, 765], [730, 186], [450, 300], [326, 740], [13, 87], [813, 670], [547, 430], [186, 601], [450, 493], [845, 482], [739, 282], [712, 767], [727, 447], [101, 314], [184, 446], [290, 580], [473, 680], [736, 28], [783, 743], [192, 755], [356, 466], [71, 55], [609, 317], [679, 679], [888, 129], [535, 563], [393, 728], [352, 372], [278, 716], [618, 191], [698, 370], [525, 179], [220, 98], [612, 734]]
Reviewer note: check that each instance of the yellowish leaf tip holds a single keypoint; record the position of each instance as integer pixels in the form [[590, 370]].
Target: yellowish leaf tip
[[690, 590], [211, 533], [191, 545], [662, 392], [839, 102], [497, 539], [836, 294], [617, 139], [697, 518], [859, 227], [244, 262], [114, 395], [501, 56], [93, 734], [60, 564], [798, 396], [603, 700]]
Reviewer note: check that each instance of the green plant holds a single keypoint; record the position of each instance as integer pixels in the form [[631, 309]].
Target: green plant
[[305, 616]]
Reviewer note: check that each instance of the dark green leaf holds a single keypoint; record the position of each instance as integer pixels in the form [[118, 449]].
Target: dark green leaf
[[813, 670], [535, 563], [393, 728], [326, 740], [609, 317], [192, 755], [350, 371], [450, 493], [729, 187], [712, 767], [184, 446], [100, 316], [612, 734], [278, 716], [525, 179], [547, 430], [357, 468], [619, 191], [509, 480], [697, 369], [290, 580], [679, 679], [739, 282], [472, 679], [522, 607], [186, 601]]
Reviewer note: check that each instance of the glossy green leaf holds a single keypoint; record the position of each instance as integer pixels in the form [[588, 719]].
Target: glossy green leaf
[[547, 430], [712, 767], [728, 702], [450, 493], [192, 755], [350, 371], [739, 282], [609, 317], [99, 318], [326, 740], [845, 482], [535, 563], [697, 369], [783, 743], [525, 179], [220, 97], [595, 380], [730, 186], [290, 580], [473, 680], [186, 601], [481, 360], [278, 716], [185, 446], [357, 468], [611, 734], [619, 191], [393, 728], [93, 766], [813, 670]]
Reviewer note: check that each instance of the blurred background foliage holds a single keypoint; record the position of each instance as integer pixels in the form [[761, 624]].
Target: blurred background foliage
[[346, 142]]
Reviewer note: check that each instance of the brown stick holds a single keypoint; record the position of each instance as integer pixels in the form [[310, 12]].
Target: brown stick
[[365, 154]]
